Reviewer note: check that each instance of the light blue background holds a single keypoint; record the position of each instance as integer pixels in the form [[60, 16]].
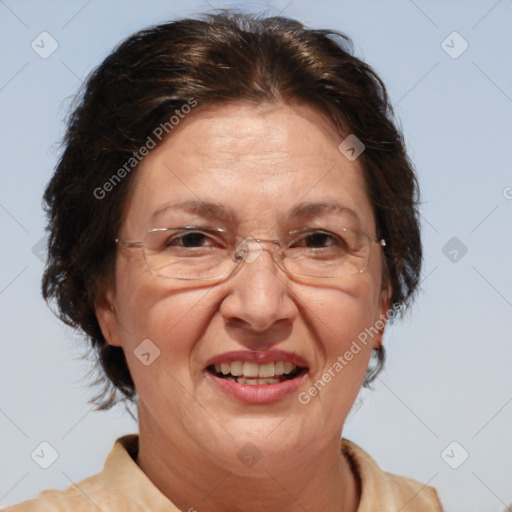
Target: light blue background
[[448, 375]]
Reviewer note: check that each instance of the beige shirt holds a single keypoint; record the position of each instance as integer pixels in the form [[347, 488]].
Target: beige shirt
[[122, 486]]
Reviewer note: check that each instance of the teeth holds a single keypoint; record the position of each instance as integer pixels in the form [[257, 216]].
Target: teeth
[[288, 368], [249, 370], [278, 368], [266, 370], [237, 368], [253, 382]]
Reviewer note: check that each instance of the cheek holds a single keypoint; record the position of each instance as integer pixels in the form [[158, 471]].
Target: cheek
[[342, 321], [148, 309], [340, 318], [342, 310]]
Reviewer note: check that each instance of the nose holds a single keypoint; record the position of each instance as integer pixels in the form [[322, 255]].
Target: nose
[[258, 299]]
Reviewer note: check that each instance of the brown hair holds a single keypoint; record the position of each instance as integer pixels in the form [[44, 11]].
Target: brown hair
[[218, 58]]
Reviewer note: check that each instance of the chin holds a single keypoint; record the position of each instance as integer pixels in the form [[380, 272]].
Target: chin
[[260, 445]]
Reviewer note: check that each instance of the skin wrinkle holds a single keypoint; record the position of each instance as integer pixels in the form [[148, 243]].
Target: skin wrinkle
[[208, 209], [189, 431]]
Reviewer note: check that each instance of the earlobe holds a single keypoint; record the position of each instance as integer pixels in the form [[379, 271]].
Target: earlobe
[[107, 318], [383, 316]]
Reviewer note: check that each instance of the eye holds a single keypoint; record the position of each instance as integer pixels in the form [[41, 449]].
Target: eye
[[319, 240], [190, 239], [184, 240]]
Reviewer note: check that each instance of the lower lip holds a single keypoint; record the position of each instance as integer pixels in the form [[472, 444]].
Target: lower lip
[[257, 393]]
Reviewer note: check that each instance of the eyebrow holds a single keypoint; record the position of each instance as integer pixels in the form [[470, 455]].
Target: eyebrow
[[311, 209], [210, 209], [204, 208]]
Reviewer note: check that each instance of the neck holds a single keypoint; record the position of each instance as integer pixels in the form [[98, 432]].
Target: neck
[[193, 481]]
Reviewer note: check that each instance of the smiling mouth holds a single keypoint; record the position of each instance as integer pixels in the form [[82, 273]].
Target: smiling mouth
[[252, 373]]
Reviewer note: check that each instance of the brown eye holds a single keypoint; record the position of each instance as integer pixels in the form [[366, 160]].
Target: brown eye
[[319, 240], [193, 239]]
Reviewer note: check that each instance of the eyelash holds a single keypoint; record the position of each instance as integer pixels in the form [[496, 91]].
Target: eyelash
[[181, 236], [302, 238], [317, 233]]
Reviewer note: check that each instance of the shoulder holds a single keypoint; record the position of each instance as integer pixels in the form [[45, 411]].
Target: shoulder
[[413, 495], [57, 501], [87, 495], [121, 485], [386, 491]]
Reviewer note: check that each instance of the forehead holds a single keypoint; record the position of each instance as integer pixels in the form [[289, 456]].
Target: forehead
[[256, 162]]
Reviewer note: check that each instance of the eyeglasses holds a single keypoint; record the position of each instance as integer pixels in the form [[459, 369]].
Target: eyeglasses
[[212, 254]]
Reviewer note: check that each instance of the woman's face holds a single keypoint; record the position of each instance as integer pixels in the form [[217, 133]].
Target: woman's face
[[245, 168]]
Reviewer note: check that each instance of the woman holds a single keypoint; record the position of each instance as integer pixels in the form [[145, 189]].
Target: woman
[[232, 223]]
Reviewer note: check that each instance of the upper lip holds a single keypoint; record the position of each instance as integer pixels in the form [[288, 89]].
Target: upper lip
[[260, 357]]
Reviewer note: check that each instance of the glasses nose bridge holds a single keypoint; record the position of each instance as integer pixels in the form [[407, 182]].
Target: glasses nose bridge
[[251, 248]]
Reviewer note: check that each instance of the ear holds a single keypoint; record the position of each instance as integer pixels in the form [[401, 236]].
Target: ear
[[107, 317], [382, 316]]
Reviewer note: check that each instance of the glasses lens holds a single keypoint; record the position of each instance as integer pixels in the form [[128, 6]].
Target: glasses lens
[[202, 254], [338, 252], [184, 253]]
